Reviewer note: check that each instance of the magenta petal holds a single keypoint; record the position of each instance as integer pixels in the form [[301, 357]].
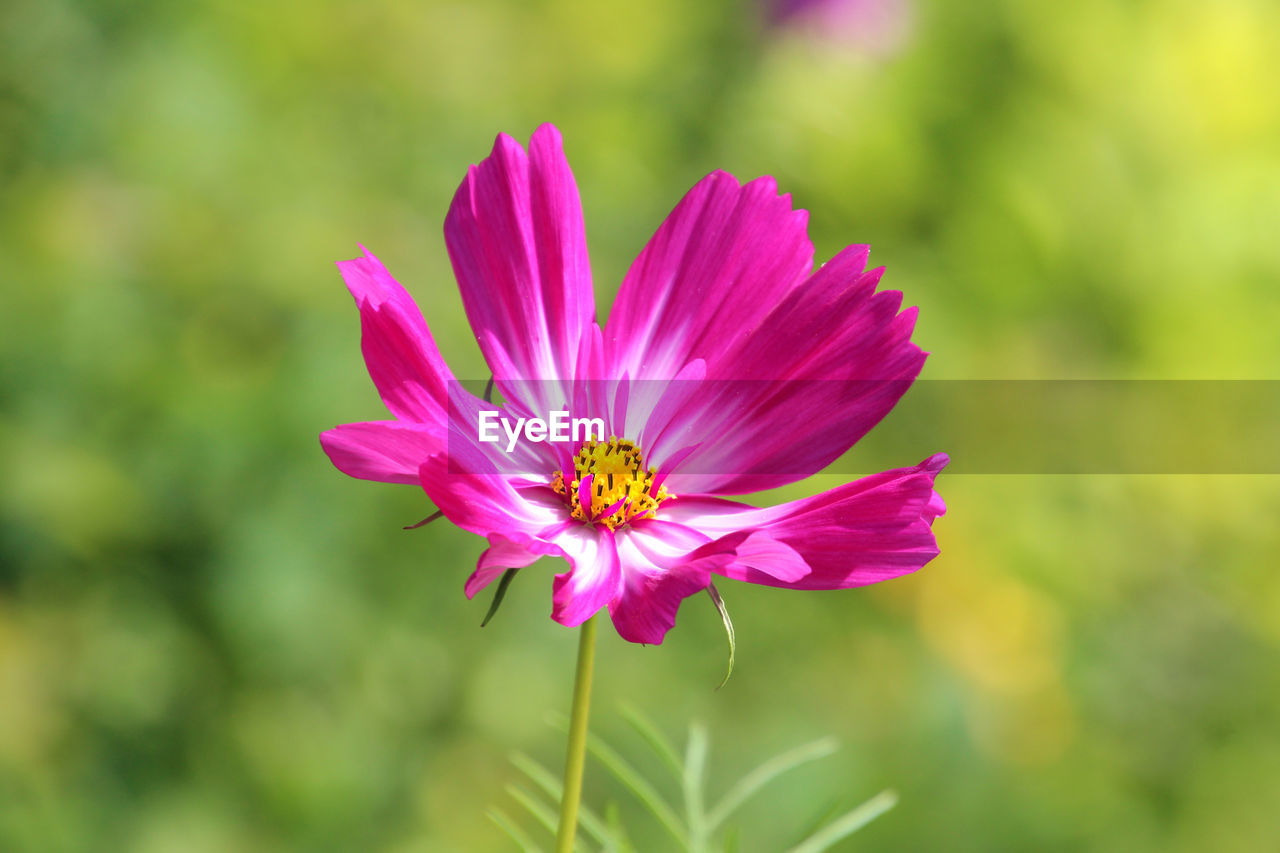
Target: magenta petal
[[614, 507], [485, 503], [403, 361], [824, 366], [724, 256], [937, 506], [652, 587], [621, 396], [659, 435], [529, 459], [759, 551], [866, 531], [514, 551], [515, 236], [386, 451], [584, 494], [594, 577]]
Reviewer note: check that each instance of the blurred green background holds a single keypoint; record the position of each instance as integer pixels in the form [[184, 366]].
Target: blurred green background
[[210, 640]]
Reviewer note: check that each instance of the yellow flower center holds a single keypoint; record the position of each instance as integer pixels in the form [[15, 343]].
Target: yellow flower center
[[621, 488]]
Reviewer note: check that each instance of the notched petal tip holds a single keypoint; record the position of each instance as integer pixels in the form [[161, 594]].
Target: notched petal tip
[[935, 507], [365, 255], [547, 134], [365, 263], [721, 176], [935, 463], [506, 149]]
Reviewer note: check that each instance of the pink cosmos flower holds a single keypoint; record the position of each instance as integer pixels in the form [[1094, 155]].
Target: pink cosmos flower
[[877, 27], [727, 365]]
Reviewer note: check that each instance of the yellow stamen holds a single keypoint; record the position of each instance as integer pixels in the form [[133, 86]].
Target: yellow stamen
[[617, 474]]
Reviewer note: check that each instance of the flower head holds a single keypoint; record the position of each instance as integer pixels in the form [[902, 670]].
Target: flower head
[[727, 365], [876, 27]]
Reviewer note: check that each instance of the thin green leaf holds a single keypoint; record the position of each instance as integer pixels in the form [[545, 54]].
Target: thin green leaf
[[513, 831], [728, 629], [541, 812], [851, 822], [622, 843], [766, 773], [695, 766], [546, 780], [830, 810], [656, 739], [505, 582], [638, 785]]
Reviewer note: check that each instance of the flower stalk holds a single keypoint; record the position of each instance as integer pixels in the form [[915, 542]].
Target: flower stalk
[[576, 753]]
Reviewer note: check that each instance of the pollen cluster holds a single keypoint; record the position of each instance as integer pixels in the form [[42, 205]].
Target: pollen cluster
[[620, 487]]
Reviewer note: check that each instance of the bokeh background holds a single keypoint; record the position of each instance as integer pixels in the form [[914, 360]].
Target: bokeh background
[[210, 640]]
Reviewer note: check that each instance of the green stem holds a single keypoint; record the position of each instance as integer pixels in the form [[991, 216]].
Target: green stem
[[577, 751]]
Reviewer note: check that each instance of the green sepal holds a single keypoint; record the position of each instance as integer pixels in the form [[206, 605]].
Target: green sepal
[[728, 629], [499, 595]]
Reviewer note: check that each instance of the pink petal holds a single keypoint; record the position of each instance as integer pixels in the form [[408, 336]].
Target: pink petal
[[434, 411], [514, 551], [584, 494], [402, 358], [387, 451], [594, 578], [532, 460], [756, 549], [725, 255], [655, 582], [515, 236], [487, 503], [866, 531], [663, 431], [826, 365]]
